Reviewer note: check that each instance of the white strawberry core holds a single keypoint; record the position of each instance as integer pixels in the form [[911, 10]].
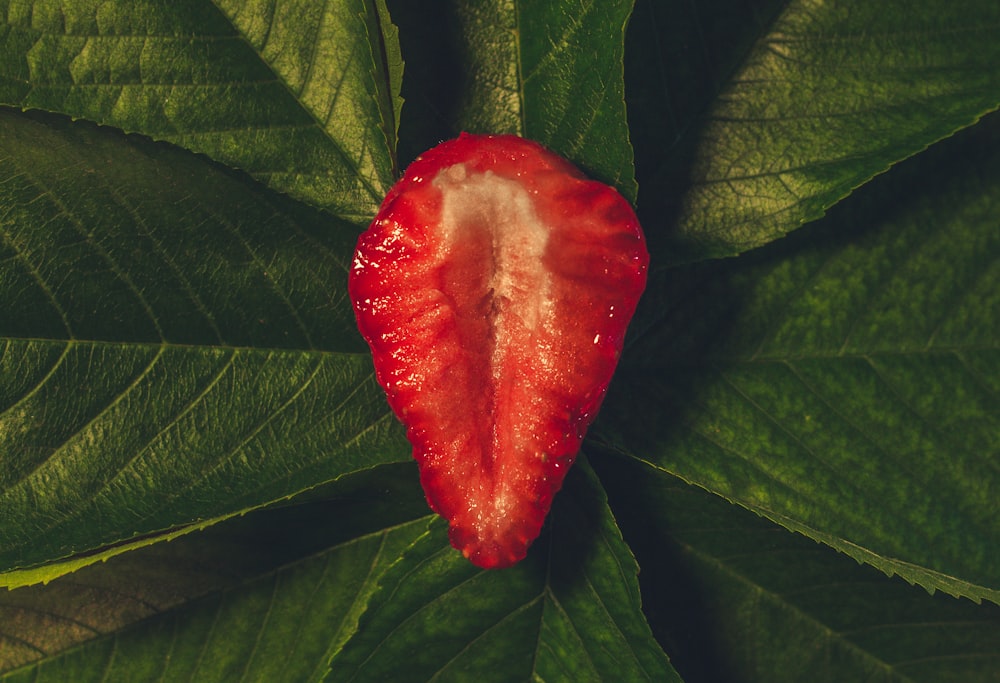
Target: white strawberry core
[[491, 222], [518, 238]]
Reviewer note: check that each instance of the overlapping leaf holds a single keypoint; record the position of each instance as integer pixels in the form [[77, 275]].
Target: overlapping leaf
[[830, 95], [175, 345], [297, 95], [568, 612], [740, 599], [844, 383], [270, 596], [548, 71]]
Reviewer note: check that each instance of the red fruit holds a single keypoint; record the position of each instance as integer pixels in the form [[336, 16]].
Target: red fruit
[[494, 288]]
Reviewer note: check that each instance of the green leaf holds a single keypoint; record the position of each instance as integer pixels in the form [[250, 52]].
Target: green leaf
[[844, 383], [301, 98], [833, 94], [678, 56], [740, 599], [175, 344], [548, 71], [568, 612], [392, 59], [270, 596], [573, 84]]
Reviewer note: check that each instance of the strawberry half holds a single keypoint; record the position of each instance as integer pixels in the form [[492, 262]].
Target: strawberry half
[[494, 288]]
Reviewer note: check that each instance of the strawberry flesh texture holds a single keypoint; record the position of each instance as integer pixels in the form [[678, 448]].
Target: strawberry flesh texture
[[494, 287]]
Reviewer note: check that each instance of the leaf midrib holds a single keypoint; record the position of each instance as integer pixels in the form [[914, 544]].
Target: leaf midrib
[[718, 361], [321, 125], [158, 345], [777, 598]]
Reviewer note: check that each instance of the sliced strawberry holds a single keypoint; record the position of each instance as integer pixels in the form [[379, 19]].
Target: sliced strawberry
[[494, 287]]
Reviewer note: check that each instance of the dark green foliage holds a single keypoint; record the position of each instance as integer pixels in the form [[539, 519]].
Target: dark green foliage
[[201, 480]]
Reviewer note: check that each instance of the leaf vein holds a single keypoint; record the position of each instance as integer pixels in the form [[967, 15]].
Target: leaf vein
[[248, 663], [37, 277], [485, 631], [137, 456], [224, 458], [40, 383], [272, 283], [112, 263], [120, 396], [186, 285]]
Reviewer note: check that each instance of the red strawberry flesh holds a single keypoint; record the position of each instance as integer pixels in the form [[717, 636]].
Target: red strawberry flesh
[[494, 288]]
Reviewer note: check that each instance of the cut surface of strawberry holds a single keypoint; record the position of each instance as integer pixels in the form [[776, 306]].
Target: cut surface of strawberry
[[494, 287]]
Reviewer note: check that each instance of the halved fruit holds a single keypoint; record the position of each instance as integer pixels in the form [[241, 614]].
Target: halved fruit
[[494, 288]]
